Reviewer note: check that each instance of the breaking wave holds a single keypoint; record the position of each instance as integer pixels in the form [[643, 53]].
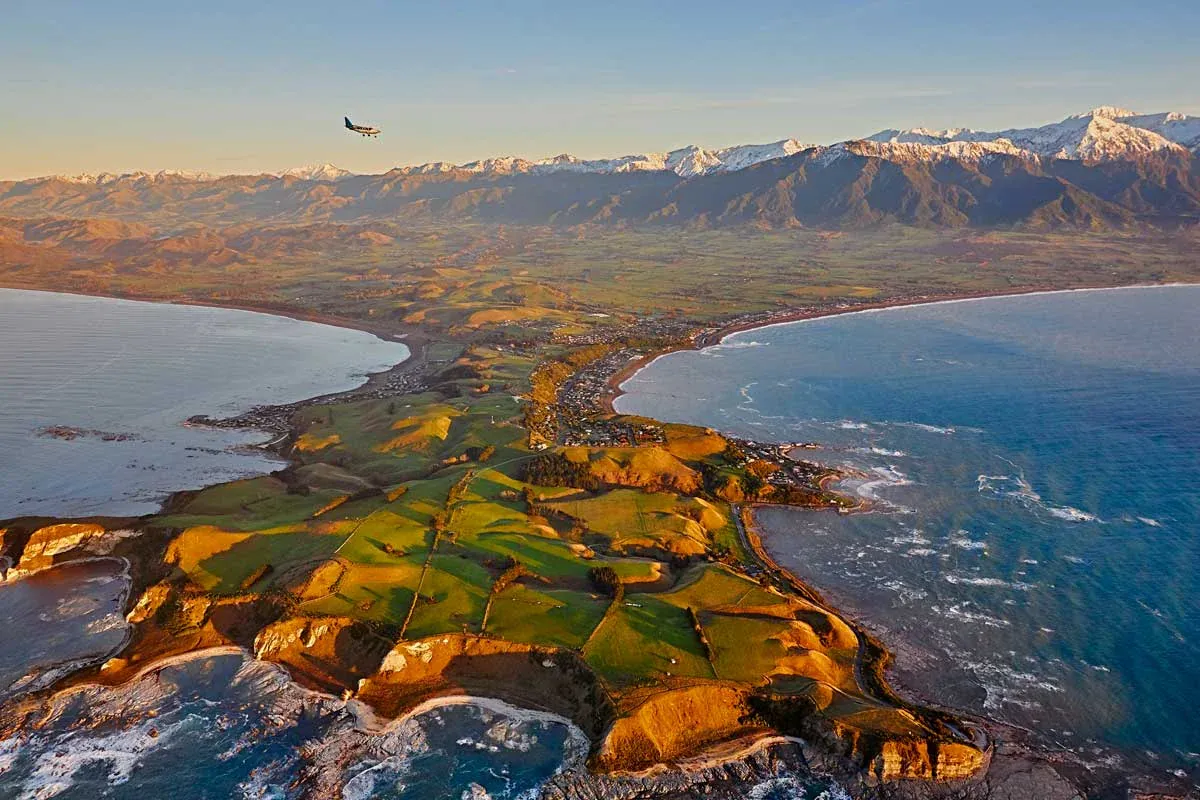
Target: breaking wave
[[792, 787], [1071, 514], [1017, 487], [737, 344], [968, 580], [881, 451], [963, 541], [921, 426], [958, 612]]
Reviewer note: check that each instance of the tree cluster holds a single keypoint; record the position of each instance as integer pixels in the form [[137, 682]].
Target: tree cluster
[[605, 579], [555, 469]]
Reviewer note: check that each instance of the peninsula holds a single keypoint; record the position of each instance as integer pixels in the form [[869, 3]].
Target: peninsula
[[480, 521]]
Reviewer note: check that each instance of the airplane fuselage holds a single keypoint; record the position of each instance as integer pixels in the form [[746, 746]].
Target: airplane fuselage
[[361, 129]]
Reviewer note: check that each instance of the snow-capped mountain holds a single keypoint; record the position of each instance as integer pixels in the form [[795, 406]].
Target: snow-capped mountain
[[1106, 133], [1179, 128], [315, 172], [103, 178], [920, 151], [311, 172], [1108, 169], [686, 161], [1102, 134]]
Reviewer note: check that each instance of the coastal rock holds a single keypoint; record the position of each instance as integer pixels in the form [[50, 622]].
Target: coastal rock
[[149, 603], [777, 765], [670, 724], [330, 652], [313, 633], [6, 542], [394, 661], [955, 761], [193, 611], [46, 543], [414, 672], [901, 759], [275, 640]]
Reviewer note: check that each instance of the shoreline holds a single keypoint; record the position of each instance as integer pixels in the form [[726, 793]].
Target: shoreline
[[714, 338], [1010, 739], [368, 722]]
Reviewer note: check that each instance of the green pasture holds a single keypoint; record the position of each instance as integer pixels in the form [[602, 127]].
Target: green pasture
[[553, 617], [643, 638]]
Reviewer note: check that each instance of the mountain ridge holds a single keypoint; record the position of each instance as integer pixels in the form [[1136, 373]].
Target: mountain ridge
[[1090, 171], [1101, 134]]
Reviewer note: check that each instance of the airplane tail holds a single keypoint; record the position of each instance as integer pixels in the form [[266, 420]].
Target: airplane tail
[[349, 124]]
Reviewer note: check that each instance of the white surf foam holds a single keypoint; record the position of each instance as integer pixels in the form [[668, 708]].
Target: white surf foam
[[1071, 514], [1017, 487], [906, 593], [921, 426], [736, 344], [118, 754], [963, 541], [959, 613], [999, 583]]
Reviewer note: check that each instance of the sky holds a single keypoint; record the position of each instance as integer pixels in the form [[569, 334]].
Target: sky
[[243, 87]]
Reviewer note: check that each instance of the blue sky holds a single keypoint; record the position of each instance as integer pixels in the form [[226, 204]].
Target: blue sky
[[239, 87]]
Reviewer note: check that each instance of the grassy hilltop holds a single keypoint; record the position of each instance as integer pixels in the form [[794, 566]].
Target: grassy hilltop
[[486, 525]]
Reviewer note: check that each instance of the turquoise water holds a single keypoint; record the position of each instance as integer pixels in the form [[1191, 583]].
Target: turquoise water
[[1033, 552], [119, 368]]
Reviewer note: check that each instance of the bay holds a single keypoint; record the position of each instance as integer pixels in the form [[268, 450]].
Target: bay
[[122, 376], [1032, 462]]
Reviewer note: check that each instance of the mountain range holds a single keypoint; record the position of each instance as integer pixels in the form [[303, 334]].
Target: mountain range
[[1109, 167]]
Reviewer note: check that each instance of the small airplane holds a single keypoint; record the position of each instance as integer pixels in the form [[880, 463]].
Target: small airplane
[[363, 129]]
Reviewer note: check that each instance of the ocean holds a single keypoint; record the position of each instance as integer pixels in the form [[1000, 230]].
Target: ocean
[[1032, 463], [122, 376]]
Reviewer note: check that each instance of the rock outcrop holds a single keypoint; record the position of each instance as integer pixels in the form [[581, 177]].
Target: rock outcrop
[[665, 725], [46, 544], [900, 759]]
